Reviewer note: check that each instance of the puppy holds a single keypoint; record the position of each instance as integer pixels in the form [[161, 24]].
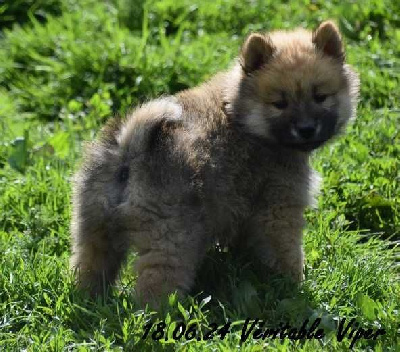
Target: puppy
[[227, 161]]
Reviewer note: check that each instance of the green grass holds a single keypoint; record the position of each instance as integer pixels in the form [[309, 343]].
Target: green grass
[[66, 66]]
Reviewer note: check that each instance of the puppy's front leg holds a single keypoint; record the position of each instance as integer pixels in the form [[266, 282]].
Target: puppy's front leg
[[275, 236]]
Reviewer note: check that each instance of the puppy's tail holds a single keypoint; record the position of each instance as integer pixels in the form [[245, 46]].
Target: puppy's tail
[[145, 125]]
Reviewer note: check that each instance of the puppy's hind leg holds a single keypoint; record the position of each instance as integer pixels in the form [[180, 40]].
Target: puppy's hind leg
[[170, 262], [98, 250]]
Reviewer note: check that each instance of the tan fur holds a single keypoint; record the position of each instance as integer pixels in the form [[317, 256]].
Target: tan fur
[[225, 161]]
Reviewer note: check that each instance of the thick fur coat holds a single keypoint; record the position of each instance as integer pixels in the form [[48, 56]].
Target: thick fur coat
[[227, 161]]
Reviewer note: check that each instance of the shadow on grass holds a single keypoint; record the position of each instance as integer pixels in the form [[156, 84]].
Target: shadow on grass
[[227, 289], [245, 290]]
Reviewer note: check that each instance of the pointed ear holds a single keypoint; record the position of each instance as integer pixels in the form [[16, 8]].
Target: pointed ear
[[327, 39], [256, 52]]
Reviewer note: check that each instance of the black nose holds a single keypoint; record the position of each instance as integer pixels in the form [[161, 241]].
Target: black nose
[[306, 132]]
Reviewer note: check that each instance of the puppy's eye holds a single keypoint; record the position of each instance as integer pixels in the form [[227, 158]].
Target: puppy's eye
[[123, 174], [320, 98], [281, 104]]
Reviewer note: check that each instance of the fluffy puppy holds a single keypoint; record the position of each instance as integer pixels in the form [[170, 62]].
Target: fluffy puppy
[[227, 161]]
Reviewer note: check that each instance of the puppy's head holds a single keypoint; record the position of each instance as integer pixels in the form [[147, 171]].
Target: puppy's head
[[295, 88]]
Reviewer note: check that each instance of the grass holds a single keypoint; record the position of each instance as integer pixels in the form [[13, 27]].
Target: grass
[[66, 66]]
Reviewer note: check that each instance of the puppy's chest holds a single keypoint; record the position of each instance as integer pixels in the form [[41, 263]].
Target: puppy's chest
[[246, 180]]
